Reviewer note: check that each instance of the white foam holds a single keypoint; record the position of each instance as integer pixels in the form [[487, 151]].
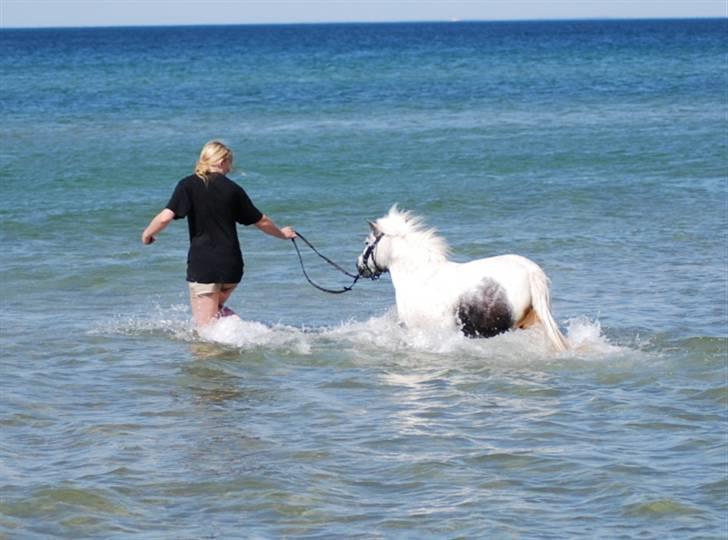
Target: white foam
[[377, 335], [236, 332], [384, 333], [173, 321], [585, 337]]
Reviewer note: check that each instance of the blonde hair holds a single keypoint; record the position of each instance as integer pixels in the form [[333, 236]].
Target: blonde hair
[[213, 154]]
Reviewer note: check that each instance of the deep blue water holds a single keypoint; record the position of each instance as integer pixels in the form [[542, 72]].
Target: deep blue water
[[596, 148]]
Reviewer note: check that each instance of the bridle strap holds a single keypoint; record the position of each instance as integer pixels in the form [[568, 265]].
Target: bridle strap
[[369, 254], [332, 263], [324, 257]]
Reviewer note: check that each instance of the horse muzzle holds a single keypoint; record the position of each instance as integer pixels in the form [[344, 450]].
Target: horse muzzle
[[363, 269], [366, 263], [362, 266]]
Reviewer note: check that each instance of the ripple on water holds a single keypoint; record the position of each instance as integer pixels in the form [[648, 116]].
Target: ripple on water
[[661, 508], [365, 427]]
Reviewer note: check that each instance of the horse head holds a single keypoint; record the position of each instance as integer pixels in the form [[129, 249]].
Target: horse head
[[399, 236], [368, 264]]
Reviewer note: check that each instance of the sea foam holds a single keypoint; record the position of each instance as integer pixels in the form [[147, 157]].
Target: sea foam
[[376, 335]]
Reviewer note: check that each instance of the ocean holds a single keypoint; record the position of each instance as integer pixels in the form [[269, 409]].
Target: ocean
[[598, 149]]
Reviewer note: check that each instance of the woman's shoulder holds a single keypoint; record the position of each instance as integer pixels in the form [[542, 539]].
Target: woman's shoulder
[[219, 181], [231, 184], [190, 179]]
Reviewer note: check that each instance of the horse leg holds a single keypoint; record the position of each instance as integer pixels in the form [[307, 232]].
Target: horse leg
[[529, 319]]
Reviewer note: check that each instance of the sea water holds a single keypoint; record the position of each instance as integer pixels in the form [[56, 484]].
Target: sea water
[[596, 148]]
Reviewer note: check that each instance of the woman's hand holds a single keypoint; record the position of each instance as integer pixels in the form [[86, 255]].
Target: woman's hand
[[267, 226], [157, 225]]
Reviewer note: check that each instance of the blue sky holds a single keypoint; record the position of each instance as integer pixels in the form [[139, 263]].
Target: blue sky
[[43, 13]]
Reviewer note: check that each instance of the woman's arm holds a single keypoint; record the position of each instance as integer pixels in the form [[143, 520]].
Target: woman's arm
[[157, 225], [266, 225]]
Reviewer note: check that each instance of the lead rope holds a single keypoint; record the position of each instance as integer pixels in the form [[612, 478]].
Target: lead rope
[[332, 263]]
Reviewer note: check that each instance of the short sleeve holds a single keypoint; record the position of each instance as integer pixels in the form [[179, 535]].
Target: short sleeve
[[180, 201], [247, 213]]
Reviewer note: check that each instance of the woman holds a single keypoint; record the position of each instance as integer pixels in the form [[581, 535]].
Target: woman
[[213, 205]]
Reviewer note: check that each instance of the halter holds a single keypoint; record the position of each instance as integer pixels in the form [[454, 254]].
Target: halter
[[369, 254]]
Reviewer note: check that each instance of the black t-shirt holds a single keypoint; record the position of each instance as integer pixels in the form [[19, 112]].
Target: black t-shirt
[[212, 210]]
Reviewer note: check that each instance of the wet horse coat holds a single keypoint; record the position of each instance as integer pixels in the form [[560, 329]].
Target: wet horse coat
[[482, 298], [485, 312]]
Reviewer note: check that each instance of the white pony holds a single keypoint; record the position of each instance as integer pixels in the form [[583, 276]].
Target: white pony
[[482, 298]]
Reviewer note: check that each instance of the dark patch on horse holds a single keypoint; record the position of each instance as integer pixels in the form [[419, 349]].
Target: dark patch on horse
[[485, 312]]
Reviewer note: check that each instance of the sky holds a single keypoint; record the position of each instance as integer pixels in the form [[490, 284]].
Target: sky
[[75, 13]]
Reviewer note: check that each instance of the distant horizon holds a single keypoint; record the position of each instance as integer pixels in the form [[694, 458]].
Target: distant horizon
[[159, 13], [353, 23]]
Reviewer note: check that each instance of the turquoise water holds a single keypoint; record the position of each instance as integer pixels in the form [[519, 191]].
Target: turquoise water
[[598, 149]]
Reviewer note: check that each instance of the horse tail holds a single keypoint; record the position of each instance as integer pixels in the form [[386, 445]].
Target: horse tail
[[541, 301]]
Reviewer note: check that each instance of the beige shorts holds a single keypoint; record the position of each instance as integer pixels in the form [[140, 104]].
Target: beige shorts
[[201, 289]]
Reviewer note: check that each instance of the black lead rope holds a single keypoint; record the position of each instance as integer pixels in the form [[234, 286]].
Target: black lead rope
[[332, 263]]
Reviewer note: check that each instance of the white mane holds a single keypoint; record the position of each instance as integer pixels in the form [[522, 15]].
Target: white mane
[[405, 225]]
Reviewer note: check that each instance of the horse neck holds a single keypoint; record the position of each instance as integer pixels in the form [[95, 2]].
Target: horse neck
[[413, 257]]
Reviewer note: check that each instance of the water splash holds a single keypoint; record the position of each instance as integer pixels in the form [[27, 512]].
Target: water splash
[[585, 337], [382, 334], [236, 332], [173, 321], [385, 333]]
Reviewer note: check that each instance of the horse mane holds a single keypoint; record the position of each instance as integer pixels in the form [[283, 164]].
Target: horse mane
[[412, 228]]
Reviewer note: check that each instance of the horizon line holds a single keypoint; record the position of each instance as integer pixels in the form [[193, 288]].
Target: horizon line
[[324, 23]]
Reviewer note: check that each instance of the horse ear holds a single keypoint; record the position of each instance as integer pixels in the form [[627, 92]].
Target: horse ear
[[373, 227]]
